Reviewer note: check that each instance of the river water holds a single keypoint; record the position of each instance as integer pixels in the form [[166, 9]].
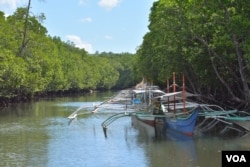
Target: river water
[[39, 134]]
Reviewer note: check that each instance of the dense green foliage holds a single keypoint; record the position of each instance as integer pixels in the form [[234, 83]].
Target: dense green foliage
[[208, 41], [32, 62]]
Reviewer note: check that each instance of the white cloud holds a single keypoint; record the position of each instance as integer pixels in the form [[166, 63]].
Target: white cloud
[[87, 19], [108, 4], [81, 2], [9, 6], [79, 43], [108, 37], [9, 3]]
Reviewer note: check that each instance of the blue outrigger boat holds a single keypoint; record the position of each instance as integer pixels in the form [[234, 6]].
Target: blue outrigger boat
[[163, 118], [174, 113], [180, 122]]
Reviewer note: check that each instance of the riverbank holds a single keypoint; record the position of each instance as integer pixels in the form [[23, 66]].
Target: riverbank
[[6, 101]]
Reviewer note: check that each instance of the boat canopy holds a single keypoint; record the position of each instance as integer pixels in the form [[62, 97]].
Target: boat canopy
[[178, 95], [138, 91]]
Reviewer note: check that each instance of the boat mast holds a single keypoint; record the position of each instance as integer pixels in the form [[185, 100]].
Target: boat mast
[[183, 93], [174, 88], [168, 91]]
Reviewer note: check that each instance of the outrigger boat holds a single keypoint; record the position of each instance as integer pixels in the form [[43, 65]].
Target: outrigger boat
[[177, 114], [181, 122], [185, 116], [162, 119], [168, 118]]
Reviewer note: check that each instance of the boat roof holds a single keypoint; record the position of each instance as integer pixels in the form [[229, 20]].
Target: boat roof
[[174, 96], [164, 95], [187, 94], [137, 91], [170, 94]]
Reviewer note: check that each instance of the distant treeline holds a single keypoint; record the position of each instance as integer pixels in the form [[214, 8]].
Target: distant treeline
[[33, 63]]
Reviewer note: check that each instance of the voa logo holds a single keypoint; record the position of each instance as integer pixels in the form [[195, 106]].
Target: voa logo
[[236, 158]]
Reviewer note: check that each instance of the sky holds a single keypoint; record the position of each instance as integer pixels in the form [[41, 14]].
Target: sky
[[116, 26]]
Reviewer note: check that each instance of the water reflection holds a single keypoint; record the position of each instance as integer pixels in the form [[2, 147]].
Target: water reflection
[[37, 134], [22, 143], [172, 149]]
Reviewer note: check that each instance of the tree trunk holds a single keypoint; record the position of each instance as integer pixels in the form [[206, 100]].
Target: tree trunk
[[211, 52], [25, 30], [241, 63]]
